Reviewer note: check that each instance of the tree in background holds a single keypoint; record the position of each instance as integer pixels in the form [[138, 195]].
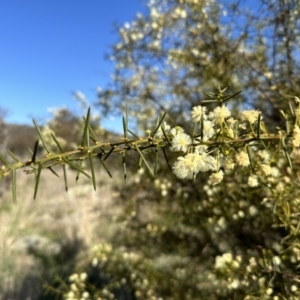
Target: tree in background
[[232, 231], [183, 239], [167, 57], [193, 239]]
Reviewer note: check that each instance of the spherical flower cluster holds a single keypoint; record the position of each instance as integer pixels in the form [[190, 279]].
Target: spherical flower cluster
[[217, 177], [179, 12], [266, 169], [154, 13], [228, 164], [176, 130], [199, 113], [208, 129], [223, 261], [77, 287], [234, 284], [189, 165], [219, 114], [264, 155], [250, 115], [159, 133], [228, 265], [198, 160], [253, 181], [181, 142], [78, 277], [242, 159], [296, 136]]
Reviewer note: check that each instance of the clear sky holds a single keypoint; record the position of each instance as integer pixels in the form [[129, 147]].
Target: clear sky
[[51, 48]]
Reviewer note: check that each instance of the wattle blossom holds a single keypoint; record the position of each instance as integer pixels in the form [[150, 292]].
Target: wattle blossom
[[296, 136], [203, 162], [264, 155], [253, 181], [192, 163], [217, 177], [228, 163], [219, 114], [181, 142], [159, 133], [200, 149], [176, 130], [266, 169], [250, 115], [199, 113], [224, 260], [183, 168], [242, 159], [208, 129]]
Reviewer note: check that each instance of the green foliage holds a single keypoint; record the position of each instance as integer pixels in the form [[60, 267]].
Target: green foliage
[[181, 252], [165, 58], [223, 223]]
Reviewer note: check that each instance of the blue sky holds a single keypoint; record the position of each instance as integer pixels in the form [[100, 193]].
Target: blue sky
[[51, 48]]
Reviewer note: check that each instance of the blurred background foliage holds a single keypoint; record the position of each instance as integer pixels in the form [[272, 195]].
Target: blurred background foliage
[[167, 238], [165, 59]]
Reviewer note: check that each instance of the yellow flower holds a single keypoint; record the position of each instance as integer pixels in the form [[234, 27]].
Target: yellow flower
[[242, 159], [296, 136], [250, 115]]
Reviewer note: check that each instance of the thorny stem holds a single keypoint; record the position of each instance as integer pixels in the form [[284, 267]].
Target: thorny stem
[[82, 153]]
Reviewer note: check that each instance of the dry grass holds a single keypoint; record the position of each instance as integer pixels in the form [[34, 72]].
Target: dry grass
[[47, 223]]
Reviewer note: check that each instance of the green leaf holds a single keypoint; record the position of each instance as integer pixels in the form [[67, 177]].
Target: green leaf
[[109, 152], [37, 180], [57, 143], [286, 153], [99, 155], [53, 171], [226, 98], [125, 123], [210, 95], [159, 124], [14, 186], [13, 156], [140, 162], [78, 173], [132, 133], [85, 138], [213, 97], [65, 177], [41, 136], [144, 160], [250, 159], [33, 158], [209, 101], [167, 160], [194, 129], [5, 162], [155, 161], [288, 128], [75, 167], [202, 128], [124, 166], [291, 109], [296, 231], [92, 134], [92, 170], [165, 134], [258, 126]]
